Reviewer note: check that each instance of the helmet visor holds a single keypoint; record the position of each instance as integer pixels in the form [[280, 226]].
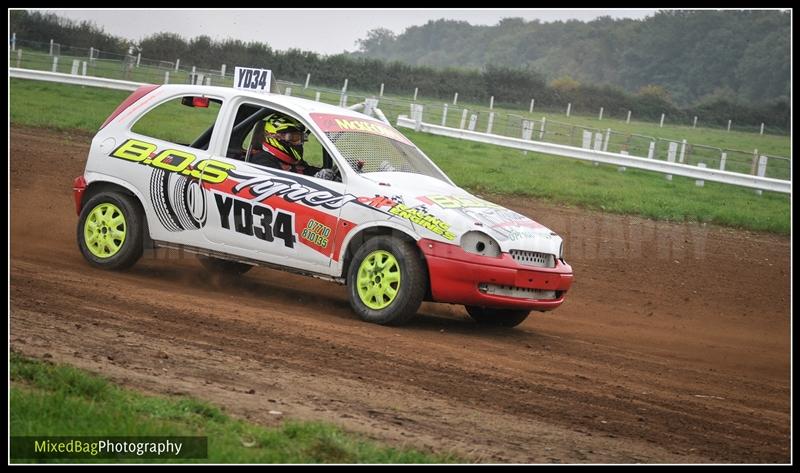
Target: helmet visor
[[294, 137]]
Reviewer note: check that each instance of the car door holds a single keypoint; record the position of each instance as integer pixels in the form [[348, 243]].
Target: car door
[[277, 216]]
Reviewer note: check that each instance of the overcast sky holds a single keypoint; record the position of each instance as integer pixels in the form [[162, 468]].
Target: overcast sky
[[322, 31]]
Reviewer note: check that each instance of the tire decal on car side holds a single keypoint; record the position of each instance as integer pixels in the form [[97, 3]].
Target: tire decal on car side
[[159, 196]]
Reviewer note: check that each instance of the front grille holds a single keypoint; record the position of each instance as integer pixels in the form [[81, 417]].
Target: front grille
[[517, 292], [532, 258]]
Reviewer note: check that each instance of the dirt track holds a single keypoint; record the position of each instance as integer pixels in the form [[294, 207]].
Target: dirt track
[[673, 344]]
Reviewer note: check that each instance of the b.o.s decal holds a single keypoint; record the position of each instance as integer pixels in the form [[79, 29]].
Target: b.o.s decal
[[173, 160]]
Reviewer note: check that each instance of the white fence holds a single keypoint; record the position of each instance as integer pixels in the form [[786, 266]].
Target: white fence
[[599, 156]]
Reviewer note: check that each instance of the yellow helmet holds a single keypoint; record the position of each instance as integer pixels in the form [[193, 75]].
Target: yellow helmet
[[284, 137]]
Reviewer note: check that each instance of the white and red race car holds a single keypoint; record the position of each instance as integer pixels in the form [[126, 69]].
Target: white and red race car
[[170, 168]]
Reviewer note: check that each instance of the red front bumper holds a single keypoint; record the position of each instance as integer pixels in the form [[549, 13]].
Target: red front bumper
[[456, 274]]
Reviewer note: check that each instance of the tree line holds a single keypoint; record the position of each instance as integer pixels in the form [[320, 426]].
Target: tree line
[[512, 87]]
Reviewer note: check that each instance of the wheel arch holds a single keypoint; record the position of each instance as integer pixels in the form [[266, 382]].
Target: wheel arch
[[99, 185], [351, 244]]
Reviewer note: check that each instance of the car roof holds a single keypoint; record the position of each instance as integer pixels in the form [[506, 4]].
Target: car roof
[[293, 103]]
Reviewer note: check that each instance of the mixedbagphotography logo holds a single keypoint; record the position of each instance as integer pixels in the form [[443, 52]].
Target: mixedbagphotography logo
[[24, 448]]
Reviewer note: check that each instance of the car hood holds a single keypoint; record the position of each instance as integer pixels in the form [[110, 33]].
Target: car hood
[[463, 212]]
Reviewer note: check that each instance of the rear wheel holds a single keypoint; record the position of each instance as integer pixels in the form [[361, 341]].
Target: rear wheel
[[387, 281], [110, 231], [225, 267], [497, 317]]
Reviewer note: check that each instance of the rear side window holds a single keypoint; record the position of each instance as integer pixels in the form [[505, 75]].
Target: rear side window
[[183, 120]]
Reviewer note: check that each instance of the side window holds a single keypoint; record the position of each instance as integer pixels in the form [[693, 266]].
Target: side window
[[187, 120], [247, 137]]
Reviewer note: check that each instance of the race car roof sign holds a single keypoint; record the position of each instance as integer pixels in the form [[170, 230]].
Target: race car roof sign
[[257, 80]]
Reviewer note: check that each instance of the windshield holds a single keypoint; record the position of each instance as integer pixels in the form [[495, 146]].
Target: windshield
[[372, 146]]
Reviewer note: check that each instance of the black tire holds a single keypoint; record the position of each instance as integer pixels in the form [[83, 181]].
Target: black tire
[[497, 317], [224, 267], [411, 287], [129, 248]]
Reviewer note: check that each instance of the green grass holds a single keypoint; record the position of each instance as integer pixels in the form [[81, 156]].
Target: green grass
[[485, 168], [59, 400]]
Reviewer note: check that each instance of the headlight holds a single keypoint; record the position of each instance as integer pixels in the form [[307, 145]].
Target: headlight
[[480, 243]]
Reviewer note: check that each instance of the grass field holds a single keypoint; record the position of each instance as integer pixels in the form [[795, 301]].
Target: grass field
[[58, 400], [485, 168]]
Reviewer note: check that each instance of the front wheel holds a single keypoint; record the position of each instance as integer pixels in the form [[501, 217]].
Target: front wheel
[[110, 231], [497, 317], [387, 281]]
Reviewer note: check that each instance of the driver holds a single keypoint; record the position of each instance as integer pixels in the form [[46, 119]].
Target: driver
[[282, 147]]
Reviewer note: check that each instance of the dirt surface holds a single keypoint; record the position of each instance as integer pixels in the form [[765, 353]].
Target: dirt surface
[[672, 346]]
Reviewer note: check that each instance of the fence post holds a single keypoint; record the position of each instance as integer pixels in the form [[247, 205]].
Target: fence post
[[527, 131], [722, 160], [700, 182], [138, 59], [308, 79], [587, 139], [694, 124], [416, 89], [288, 91], [222, 70], [729, 125], [473, 120], [598, 142], [629, 117], [317, 97], [13, 41], [91, 54], [381, 94], [622, 168], [444, 114], [491, 121], [530, 110], [569, 106], [166, 77], [463, 119], [55, 63], [455, 99], [755, 162], [541, 131], [762, 170], [418, 108], [19, 57], [608, 138], [652, 151], [762, 128], [673, 149], [75, 65], [661, 125], [83, 68], [177, 64], [601, 114], [51, 48], [683, 150], [491, 102]]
